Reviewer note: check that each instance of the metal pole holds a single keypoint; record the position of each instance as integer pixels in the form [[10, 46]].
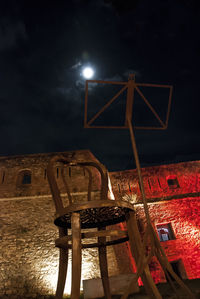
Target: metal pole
[[129, 111], [135, 153], [130, 98]]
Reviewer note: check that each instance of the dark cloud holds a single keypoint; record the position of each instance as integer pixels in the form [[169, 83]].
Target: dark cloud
[[44, 47], [11, 33]]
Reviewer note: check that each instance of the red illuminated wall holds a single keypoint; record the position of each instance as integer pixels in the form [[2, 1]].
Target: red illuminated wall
[[177, 204], [184, 216]]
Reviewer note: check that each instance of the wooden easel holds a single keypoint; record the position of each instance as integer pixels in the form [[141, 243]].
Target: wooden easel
[[137, 245]]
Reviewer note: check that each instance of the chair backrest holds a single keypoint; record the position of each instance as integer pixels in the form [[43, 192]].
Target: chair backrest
[[86, 165]]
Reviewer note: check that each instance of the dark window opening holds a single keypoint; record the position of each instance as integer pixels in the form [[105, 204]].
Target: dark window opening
[[172, 182], [176, 265], [165, 232], [26, 179], [3, 177], [149, 184], [57, 172], [159, 183], [45, 174], [70, 172]]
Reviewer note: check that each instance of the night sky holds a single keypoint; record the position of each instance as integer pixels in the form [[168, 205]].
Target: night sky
[[44, 46]]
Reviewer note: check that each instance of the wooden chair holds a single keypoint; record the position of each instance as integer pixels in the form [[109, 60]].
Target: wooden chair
[[90, 214]]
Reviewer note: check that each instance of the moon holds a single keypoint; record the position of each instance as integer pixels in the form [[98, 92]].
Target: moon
[[88, 72]]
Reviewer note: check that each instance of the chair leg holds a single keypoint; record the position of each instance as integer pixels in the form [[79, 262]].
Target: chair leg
[[136, 248], [63, 263], [76, 255], [104, 266]]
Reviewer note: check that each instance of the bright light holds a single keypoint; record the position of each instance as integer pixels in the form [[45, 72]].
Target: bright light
[[88, 72], [110, 189]]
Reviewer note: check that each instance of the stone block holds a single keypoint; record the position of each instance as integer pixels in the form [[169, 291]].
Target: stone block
[[92, 288]]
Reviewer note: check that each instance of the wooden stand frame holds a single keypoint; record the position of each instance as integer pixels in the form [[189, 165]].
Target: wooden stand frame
[[137, 246]]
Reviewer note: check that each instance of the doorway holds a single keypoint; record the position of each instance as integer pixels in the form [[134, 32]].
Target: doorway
[[177, 267]]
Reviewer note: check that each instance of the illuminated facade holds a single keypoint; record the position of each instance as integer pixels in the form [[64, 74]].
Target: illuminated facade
[[28, 258], [173, 194]]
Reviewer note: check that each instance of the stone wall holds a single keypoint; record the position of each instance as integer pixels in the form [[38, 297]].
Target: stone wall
[[11, 168], [28, 258], [184, 217], [156, 182], [177, 205], [27, 241]]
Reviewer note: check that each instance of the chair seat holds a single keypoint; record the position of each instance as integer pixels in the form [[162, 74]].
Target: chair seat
[[94, 214]]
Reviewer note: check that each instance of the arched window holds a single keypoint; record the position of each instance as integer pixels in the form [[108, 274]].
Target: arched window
[[24, 178]]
